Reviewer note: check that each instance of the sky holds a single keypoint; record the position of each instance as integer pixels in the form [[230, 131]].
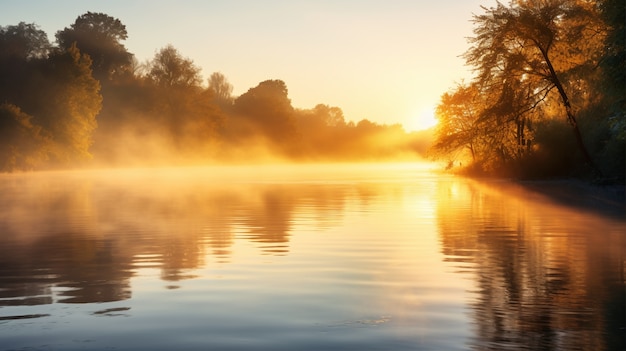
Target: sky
[[386, 61]]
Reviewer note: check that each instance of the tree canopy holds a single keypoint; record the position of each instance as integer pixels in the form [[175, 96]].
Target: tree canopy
[[535, 62], [88, 100], [547, 99], [170, 69], [24, 41], [221, 89], [100, 36]]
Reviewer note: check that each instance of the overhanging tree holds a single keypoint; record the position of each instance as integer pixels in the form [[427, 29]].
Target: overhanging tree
[[530, 50]]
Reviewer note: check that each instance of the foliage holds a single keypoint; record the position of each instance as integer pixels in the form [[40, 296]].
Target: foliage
[[534, 61], [71, 102], [23, 42], [100, 36], [169, 69], [267, 109], [89, 100], [52, 95], [613, 64], [221, 89], [263, 118], [24, 145], [167, 109]]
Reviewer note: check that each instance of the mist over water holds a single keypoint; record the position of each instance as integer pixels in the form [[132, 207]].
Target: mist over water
[[307, 257]]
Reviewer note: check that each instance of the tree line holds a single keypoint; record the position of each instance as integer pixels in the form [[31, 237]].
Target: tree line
[[87, 100], [548, 95]]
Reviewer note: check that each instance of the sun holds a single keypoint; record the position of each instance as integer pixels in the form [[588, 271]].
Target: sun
[[425, 118]]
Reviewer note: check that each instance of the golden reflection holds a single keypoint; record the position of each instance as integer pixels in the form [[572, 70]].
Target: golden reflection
[[543, 273], [539, 274], [81, 236]]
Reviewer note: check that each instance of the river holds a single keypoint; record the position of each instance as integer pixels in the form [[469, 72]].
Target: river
[[306, 257]]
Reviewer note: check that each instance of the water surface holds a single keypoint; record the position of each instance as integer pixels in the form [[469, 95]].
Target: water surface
[[367, 257]]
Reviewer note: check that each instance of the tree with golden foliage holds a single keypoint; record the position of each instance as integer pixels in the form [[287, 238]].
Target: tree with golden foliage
[[24, 146], [529, 57], [71, 102]]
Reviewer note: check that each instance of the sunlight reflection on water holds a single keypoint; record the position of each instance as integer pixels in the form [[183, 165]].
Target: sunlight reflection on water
[[302, 257]]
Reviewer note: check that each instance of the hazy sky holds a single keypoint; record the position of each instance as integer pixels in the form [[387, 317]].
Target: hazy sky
[[388, 61]]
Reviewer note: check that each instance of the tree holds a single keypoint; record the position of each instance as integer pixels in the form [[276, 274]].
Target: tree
[[220, 87], [69, 100], [331, 116], [471, 125], [170, 69], [24, 41], [457, 115], [614, 63], [100, 36], [51, 93], [532, 49], [22, 47], [267, 108], [169, 108], [23, 145]]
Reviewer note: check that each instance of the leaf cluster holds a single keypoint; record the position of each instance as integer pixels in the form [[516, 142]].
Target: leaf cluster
[[88, 101], [534, 61]]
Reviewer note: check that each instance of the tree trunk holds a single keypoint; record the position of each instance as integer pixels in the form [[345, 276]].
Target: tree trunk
[[571, 119]]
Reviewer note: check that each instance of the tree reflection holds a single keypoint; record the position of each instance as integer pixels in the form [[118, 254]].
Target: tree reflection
[[268, 221], [542, 281], [73, 239]]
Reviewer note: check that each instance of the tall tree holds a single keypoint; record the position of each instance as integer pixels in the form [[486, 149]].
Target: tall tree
[[170, 69], [220, 87], [22, 47], [181, 108], [268, 109], [534, 48], [100, 36], [24, 41], [69, 102]]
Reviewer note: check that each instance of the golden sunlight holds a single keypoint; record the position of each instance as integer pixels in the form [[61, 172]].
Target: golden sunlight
[[424, 119]]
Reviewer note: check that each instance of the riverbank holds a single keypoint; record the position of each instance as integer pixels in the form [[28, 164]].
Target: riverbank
[[571, 191], [594, 191]]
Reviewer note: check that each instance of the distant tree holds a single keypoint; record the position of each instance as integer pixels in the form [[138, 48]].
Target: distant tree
[[100, 36], [267, 109], [221, 89], [169, 107], [330, 115], [23, 41], [366, 126], [170, 69], [190, 119], [320, 129], [23, 145]]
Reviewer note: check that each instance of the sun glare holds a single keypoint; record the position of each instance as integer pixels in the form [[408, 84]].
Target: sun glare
[[426, 118], [423, 119]]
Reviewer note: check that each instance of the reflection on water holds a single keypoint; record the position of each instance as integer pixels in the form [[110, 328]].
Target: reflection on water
[[78, 238], [547, 277], [303, 257]]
